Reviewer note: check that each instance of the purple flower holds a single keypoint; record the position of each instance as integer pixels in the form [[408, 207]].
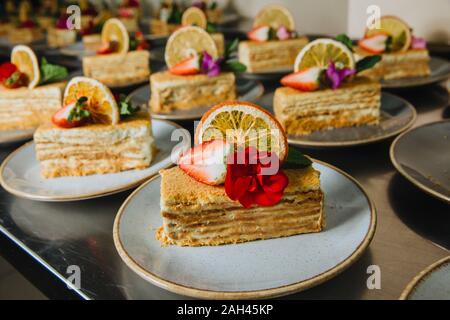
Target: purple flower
[[418, 43], [210, 66], [283, 33], [199, 4], [336, 76]]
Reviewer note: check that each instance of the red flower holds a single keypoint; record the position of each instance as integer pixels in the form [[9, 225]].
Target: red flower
[[6, 70], [255, 177]]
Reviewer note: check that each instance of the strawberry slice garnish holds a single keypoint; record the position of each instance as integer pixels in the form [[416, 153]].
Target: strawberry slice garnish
[[374, 44], [105, 49], [6, 70], [15, 80], [186, 67], [259, 34], [305, 80], [72, 115], [207, 162]]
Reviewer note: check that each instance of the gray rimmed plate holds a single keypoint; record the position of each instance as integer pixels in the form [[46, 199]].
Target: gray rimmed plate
[[258, 269], [16, 135], [433, 283], [440, 71], [397, 115], [20, 172], [76, 50], [422, 155], [247, 90]]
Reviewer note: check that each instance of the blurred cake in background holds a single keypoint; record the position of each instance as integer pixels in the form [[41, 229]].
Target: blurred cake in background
[[403, 54], [273, 43], [26, 30], [129, 13], [30, 92], [48, 12], [197, 77], [60, 35], [120, 60], [326, 91]]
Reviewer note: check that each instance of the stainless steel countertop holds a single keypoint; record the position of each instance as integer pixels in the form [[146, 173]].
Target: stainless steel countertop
[[58, 235]]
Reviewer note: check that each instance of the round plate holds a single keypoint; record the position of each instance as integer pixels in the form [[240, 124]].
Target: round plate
[[76, 50], [440, 71], [422, 155], [247, 90], [14, 136], [20, 172], [257, 269], [397, 115], [433, 283], [266, 76]]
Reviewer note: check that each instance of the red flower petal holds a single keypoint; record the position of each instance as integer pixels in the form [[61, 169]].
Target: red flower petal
[[247, 199], [268, 199], [274, 183]]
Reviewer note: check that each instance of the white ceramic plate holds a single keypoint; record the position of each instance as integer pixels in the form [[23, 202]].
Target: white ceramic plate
[[422, 155], [257, 269], [440, 71], [397, 115], [13, 136], [247, 90], [433, 283], [20, 173]]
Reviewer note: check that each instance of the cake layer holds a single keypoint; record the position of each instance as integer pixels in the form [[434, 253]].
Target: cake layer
[[92, 42], [118, 69], [197, 214], [160, 27], [412, 63], [24, 35], [270, 55], [24, 108], [169, 92], [354, 103], [60, 37], [131, 24], [95, 148]]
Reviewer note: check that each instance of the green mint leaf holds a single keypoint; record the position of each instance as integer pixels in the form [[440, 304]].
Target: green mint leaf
[[211, 27], [213, 6], [343, 38], [52, 72], [236, 66], [296, 160], [126, 108], [231, 48], [367, 63], [389, 44], [273, 34], [79, 112]]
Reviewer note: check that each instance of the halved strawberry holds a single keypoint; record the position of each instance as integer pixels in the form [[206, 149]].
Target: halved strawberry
[[259, 34], [206, 162], [16, 80], [187, 67], [104, 49], [72, 115], [6, 70], [305, 80], [375, 43]]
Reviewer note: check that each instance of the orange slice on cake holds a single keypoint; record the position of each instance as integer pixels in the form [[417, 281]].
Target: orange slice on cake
[[187, 42], [243, 124], [274, 16], [114, 31], [26, 61], [194, 17], [101, 103], [397, 29], [320, 52]]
